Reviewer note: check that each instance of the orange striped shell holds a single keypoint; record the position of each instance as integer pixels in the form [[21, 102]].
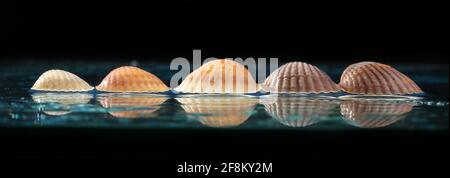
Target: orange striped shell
[[373, 78], [374, 113], [60, 81], [219, 76], [299, 111], [135, 106], [299, 77], [131, 79], [219, 111]]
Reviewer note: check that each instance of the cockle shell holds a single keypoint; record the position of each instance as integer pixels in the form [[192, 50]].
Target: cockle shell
[[60, 81], [131, 79], [299, 111], [219, 76], [131, 106], [299, 77], [61, 102], [374, 78], [370, 113], [219, 111]]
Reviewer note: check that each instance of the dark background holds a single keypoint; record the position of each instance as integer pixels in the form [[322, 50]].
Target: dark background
[[318, 30], [326, 31]]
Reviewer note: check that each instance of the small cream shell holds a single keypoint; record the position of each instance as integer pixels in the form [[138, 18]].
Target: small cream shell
[[60, 81]]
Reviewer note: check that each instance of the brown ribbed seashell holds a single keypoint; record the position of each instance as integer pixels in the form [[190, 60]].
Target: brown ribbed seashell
[[369, 113], [219, 111], [299, 111], [219, 76], [131, 79], [60, 81], [64, 101], [299, 77], [131, 106], [374, 78]]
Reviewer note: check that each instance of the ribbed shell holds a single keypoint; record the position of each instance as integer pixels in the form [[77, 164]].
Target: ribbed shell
[[373, 78], [232, 77], [131, 79], [131, 106], [299, 77], [63, 100], [374, 113], [60, 81], [219, 111], [299, 112]]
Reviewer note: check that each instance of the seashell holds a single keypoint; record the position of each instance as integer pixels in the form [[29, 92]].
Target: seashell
[[300, 77], [373, 78], [369, 113], [219, 111], [61, 102], [131, 106], [131, 79], [299, 111], [61, 81], [219, 76]]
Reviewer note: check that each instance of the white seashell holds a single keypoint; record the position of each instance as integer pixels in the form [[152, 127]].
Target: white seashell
[[373, 78], [60, 81], [299, 77], [219, 76]]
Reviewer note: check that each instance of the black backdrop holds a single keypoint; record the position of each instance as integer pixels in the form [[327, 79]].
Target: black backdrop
[[319, 30]]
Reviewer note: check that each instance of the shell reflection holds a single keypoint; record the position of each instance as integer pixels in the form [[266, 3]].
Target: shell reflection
[[57, 104], [300, 111], [219, 111], [374, 113], [131, 106]]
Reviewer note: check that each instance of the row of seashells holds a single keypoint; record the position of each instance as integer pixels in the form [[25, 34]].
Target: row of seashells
[[227, 76]]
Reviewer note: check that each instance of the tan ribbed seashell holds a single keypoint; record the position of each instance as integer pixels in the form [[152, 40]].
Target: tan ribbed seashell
[[219, 76], [141, 106], [369, 113], [131, 79], [61, 81], [299, 77], [63, 100], [374, 78], [219, 111], [299, 111]]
